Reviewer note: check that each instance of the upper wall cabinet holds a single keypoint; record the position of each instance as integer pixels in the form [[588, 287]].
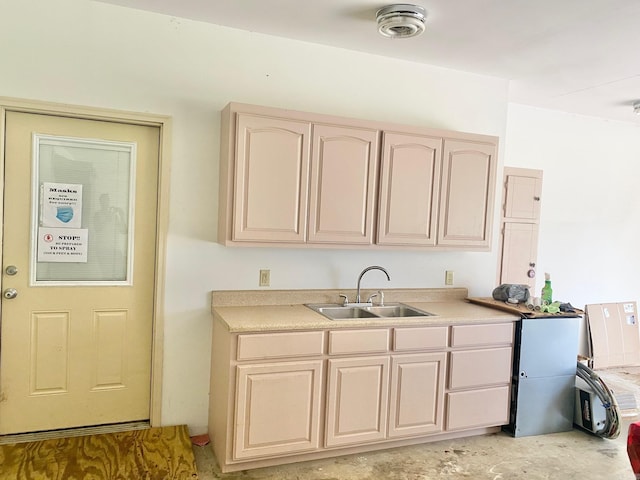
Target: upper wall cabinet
[[292, 178], [343, 184], [270, 180], [522, 194], [466, 203], [409, 187]]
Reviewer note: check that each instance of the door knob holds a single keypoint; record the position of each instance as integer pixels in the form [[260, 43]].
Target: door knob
[[10, 293], [11, 270]]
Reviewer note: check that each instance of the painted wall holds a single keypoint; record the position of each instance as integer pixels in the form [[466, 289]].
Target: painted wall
[[589, 226], [87, 53]]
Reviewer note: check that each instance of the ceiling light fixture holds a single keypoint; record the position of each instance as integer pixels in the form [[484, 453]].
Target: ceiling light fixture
[[636, 107], [401, 20]]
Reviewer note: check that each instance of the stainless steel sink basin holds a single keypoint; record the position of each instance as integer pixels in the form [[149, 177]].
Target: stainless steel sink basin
[[338, 312], [344, 312], [398, 310]]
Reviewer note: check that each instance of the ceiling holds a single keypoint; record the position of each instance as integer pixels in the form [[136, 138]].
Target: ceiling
[[578, 56]]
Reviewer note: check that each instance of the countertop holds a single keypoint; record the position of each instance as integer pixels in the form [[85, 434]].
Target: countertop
[[451, 309]]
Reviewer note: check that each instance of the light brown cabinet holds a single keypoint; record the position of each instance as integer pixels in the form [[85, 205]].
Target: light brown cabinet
[[468, 183], [520, 226], [343, 185], [357, 393], [277, 408], [523, 188], [279, 397], [416, 405], [271, 178], [478, 390], [409, 188], [293, 178]]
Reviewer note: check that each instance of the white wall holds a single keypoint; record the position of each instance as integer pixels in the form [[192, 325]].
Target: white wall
[[87, 53], [589, 230], [589, 226]]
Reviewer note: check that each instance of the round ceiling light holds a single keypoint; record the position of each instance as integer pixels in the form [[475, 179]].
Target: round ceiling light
[[401, 20]]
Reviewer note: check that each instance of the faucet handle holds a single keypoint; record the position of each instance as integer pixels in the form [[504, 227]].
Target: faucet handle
[[346, 299], [370, 299]]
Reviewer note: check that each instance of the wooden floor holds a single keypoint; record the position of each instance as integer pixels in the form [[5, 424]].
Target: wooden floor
[[163, 453]]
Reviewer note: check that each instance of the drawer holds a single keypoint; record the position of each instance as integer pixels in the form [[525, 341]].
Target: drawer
[[358, 341], [278, 345], [477, 368], [491, 334], [488, 407], [421, 338]]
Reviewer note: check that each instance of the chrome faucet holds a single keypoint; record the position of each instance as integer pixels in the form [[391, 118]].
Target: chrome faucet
[[373, 267]]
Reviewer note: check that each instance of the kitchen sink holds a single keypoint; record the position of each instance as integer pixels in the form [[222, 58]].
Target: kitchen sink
[[339, 312], [345, 312], [398, 310]]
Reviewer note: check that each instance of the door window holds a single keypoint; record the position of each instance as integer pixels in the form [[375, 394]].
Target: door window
[[82, 211]]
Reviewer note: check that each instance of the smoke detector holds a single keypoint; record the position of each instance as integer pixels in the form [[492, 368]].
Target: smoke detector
[[401, 20]]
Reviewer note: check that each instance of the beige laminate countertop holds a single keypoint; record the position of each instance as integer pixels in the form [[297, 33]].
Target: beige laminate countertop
[[262, 318]]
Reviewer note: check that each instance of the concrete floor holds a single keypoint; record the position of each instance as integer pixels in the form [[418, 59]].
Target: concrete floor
[[560, 456]]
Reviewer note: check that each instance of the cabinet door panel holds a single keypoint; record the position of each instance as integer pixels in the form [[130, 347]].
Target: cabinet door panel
[[476, 368], [343, 192], [519, 253], [271, 179], [409, 187], [478, 408], [260, 346], [466, 201], [416, 405], [522, 196], [277, 408], [478, 335], [342, 342], [420, 338], [357, 400]]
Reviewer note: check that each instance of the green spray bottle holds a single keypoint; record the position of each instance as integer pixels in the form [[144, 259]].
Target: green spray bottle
[[547, 293]]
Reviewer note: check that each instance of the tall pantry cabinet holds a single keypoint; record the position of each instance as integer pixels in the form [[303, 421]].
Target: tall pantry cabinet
[[522, 189]]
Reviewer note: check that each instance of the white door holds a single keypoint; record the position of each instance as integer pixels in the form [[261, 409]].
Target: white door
[[78, 272]]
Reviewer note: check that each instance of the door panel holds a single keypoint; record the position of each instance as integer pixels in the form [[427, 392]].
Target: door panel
[[358, 391], [409, 188], [467, 193], [343, 184], [76, 339], [271, 179], [522, 199], [417, 394], [519, 253]]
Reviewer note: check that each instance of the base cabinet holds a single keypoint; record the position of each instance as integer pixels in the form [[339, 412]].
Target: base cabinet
[[357, 400], [479, 382], [277, 408], [478, 408], [286, 396], [417, 394]]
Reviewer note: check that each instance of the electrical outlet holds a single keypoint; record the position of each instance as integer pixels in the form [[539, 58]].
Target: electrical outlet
[[448, 277], [265, 278]]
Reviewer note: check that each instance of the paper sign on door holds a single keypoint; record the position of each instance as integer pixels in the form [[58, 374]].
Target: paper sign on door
[[61, 205], [62, 245]]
